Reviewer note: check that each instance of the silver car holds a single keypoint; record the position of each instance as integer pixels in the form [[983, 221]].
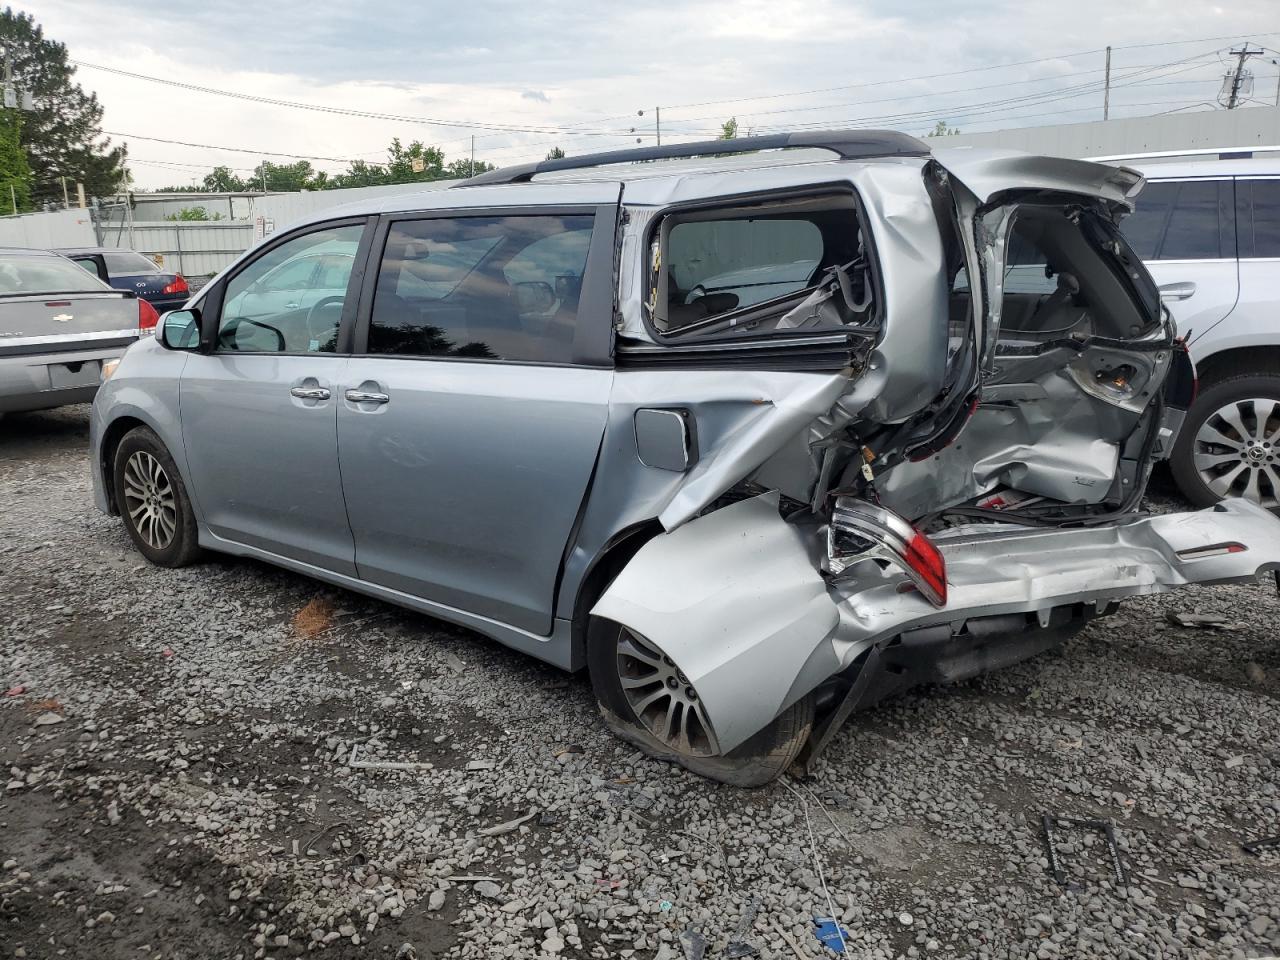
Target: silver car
[[1209, 231], [552, 405], [59, 327]]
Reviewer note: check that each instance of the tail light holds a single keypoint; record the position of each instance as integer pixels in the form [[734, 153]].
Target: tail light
[[863, 531], [147, 317], [179, 285]]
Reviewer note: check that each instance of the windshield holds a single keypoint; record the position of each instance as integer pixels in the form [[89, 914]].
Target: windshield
[[20, 275]]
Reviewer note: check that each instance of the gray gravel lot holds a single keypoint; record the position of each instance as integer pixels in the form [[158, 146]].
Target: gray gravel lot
[[178, 750]]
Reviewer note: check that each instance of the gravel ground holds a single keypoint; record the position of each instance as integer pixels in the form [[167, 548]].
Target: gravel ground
[[184, 754]]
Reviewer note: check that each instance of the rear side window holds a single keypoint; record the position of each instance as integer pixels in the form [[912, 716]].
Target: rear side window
[[1258, 213], [757, 269], [1183, 220], [127, 262], [481, 287]]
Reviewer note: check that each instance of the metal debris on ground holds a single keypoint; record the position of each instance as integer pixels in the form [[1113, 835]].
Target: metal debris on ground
[[694, 943], [738, 946], [1051, 822], [831, 934], [452, 661], [352, 761], [1200, 621], [509, 826], [1257, 846], [481, 765]]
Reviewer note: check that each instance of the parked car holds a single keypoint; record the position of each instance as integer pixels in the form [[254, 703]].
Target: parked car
[[130, 270], [745, 517], [60, 328], [1209, 231]]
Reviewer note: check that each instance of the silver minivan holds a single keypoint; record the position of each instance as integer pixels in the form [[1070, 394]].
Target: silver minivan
[[758, 431], [1209, 231]]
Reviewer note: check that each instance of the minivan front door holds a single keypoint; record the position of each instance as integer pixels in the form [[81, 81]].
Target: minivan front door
[[469, 428], [259, 413]]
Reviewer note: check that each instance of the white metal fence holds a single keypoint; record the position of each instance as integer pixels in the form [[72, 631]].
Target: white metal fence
[[63, 228], [197, 249]]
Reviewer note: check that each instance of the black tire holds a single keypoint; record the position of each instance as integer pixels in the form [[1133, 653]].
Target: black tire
[[181, 547], [760, 760], [1217, 396]]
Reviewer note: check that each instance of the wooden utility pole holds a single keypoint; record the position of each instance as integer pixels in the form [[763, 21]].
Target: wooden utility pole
[[1106, 90], [1242, 57]]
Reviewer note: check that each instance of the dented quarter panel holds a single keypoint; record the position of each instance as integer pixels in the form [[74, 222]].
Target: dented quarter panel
[[734, 599]]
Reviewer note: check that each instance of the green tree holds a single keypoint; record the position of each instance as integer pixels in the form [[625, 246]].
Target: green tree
[[281, 177], [15, 172], [555, 153], [61, 134], [223, 180], [940, 129], [464, 167], [189, 214], [729, 129]]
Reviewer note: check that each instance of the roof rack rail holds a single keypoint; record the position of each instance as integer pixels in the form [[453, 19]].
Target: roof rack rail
[[846, 144]]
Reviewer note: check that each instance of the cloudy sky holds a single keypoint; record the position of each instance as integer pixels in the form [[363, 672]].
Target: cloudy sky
[[522, 77]]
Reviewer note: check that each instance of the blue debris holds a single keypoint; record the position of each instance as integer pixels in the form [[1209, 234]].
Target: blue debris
[[829, 932]]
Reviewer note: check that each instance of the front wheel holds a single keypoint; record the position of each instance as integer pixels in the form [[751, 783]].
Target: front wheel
[[153, 500], [1229, 445], [647, 701]]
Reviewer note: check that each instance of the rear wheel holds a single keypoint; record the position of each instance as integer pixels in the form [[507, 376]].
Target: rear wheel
[[1230, 443], [153, 500], [647, 700]]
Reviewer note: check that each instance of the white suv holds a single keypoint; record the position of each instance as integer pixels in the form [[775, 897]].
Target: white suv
[[1209, 232]]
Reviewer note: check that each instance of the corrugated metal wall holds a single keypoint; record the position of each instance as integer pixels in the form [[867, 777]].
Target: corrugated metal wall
[[62, 228], [196, 249], [1205, 129]]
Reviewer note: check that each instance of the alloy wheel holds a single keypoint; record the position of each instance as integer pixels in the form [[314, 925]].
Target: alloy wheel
[[1237, 451], [149, 500], [662, 698]]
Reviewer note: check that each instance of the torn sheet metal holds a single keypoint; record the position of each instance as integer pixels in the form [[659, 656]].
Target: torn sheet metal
[[735, 599], [990, 173]]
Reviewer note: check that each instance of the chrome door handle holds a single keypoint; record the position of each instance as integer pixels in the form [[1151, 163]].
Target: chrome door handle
[[291, 306], [1178, 291], [310, 393], [365, 396]]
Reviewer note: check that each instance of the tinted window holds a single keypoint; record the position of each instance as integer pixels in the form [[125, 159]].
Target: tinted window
[[481, 287], [1259, 217], [1144, 228], [290, 299]]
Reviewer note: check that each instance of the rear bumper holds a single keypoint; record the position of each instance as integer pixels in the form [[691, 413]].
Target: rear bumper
[[47, 380], [735, 599]]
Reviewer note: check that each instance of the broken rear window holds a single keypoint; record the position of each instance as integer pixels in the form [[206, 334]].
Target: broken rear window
[[785, 265]]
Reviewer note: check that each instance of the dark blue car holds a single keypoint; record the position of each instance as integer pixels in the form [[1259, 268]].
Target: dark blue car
[[129, 270]]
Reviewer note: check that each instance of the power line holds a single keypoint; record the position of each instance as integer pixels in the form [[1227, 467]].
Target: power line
[[949, 73], [345, 111], [210, 146]]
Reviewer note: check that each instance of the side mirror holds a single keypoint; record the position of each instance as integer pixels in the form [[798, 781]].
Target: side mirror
[[180, 330]]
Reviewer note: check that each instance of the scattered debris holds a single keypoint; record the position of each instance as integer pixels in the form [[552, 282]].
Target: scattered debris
[[1233, 762], [313, 619], [17, 691], [406, 952], [482, 765], [694, 943], [452, 661], [571, 748], [510, 826], [469, 879], [831, 934], [1257, 846], [1050, 822], [48, 718], [166, 652], [384, 764], [664, 906], [738, 946], [1200, 621], [906, 919]]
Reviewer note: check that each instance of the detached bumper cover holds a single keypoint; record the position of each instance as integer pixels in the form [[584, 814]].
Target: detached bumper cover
[[735, 599]]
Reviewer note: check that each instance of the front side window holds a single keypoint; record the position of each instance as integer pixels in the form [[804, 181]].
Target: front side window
[[290, 299], [481, 287], [776, 266], [1258, 206]]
